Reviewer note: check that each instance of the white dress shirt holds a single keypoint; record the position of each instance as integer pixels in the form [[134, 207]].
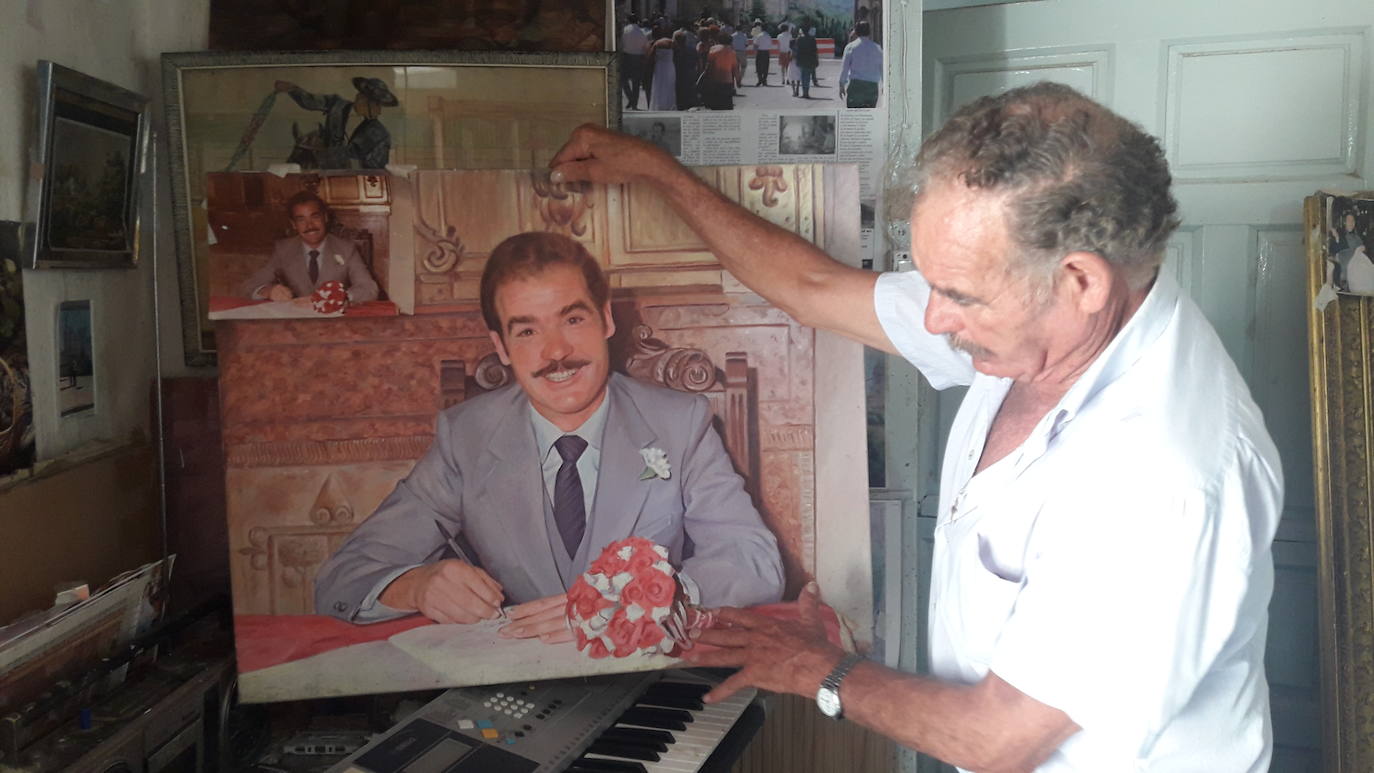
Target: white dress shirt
[[863, 61], [1116, 565], [633, 40]]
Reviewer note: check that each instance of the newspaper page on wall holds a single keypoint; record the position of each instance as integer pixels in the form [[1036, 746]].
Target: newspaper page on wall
[[763, 83]]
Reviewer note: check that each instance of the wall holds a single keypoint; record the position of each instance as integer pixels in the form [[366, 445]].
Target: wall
[[114, 515]]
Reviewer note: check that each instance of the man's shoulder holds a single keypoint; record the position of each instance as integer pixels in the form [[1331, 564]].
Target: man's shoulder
[[287, 243], [654, 398], [483, 411]]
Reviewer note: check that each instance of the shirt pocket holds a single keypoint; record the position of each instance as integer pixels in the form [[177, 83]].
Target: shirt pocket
[[984, 602]]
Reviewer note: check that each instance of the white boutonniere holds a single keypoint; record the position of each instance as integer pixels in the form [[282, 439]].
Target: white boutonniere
[[655, 464], [338, 259]]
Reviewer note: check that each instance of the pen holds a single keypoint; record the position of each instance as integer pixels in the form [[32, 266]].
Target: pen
[[461, 555]]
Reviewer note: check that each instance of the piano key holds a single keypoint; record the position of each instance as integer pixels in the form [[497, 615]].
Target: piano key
[[623, 750], [653, 719], [658, 740], [694, 745], [597, 765], [670, 699]]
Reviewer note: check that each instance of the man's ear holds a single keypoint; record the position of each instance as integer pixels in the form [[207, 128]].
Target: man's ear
[[610, 320], [500, 347], [1088, 278]]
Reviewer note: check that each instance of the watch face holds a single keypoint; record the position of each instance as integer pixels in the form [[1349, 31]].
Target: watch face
[[828, 701]]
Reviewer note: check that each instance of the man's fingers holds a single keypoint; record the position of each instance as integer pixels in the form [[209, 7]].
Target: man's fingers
[[724, 637], [739, 618], [557, 637], [577, 147], [590, 170], [538, 607], [809, 604], [716, 658], [737, 681]]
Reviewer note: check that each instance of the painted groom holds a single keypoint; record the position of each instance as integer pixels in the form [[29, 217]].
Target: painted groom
[[538, 476]]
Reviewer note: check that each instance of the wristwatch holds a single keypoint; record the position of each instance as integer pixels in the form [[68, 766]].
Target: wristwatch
[[828, 696]]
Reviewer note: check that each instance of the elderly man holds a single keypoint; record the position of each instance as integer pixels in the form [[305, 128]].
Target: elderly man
[[539, 476], [1109, 494]]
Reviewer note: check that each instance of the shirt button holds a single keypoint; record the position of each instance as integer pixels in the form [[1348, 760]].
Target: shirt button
[[339, 606]]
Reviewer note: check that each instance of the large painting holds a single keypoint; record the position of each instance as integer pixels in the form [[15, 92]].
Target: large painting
[[323, 419], [359, 110], [1340, 325]]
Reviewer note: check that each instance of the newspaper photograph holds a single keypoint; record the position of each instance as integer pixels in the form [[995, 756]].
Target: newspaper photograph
[[800, 82]]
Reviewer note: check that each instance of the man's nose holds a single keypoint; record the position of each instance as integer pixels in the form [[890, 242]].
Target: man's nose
[[556, 346], [941, 317]]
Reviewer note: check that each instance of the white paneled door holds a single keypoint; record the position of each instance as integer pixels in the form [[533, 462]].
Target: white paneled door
[[1258, 104]]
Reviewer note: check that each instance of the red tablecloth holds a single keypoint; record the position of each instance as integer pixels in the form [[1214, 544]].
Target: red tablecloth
[[361, 309], [267, 640]]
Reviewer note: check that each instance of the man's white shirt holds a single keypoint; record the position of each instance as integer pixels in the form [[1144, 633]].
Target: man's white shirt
[[1117, 564]]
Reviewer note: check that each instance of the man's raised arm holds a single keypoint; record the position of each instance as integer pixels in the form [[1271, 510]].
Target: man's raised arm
[[789, 271]]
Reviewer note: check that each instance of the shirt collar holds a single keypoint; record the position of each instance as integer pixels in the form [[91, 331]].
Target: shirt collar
[[546, 433], [1131, 342], [306, 248]]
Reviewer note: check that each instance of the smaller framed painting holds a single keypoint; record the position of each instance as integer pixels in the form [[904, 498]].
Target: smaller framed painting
[[83, 203], [75, 360]]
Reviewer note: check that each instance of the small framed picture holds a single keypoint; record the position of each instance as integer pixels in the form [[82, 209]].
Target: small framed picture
[[75, 359], [92, 139]]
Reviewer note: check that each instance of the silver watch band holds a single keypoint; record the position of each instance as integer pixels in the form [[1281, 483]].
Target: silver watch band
[[832, 680]]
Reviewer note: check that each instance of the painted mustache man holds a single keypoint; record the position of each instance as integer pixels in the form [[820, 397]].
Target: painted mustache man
[[533, 479]]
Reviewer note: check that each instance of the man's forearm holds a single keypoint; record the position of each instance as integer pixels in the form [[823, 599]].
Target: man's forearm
[[984, 727]]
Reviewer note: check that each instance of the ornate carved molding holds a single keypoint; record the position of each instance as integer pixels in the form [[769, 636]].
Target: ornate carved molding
[[771, 181], [448, 248], [561, 205], [680, 368], [490, 373]]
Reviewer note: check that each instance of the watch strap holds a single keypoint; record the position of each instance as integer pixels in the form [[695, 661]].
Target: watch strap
[[832, 680]]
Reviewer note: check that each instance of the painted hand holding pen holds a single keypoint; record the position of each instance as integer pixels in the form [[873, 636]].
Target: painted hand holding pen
[[630, 601]]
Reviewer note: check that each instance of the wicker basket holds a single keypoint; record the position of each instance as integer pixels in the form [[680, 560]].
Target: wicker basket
[[13, 396]]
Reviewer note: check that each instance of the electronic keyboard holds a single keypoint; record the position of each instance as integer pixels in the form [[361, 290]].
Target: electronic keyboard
[[648, 722]]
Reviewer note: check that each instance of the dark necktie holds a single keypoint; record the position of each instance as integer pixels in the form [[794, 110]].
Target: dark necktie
[[569, 508], [314, 266]]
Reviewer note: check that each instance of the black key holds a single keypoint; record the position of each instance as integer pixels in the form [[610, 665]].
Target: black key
[[677, 715], [695, 689], [628, 751], [590, 765], [670, 699], [638, 743], [651, 718], [653, 738]]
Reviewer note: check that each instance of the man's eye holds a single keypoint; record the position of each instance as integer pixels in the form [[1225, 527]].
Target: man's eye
[[524, 332], [576, 319]]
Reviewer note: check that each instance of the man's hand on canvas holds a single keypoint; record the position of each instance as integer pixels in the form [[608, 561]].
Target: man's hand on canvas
[[596, 154], [279, 293], [545, 618], [449, 591], [779, 655]]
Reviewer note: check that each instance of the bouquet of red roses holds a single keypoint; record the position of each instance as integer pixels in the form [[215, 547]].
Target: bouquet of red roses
[[631, 601]]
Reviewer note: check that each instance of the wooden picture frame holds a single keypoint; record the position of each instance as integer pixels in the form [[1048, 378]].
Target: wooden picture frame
[[441, 109], [1342, 379], [92, 139]]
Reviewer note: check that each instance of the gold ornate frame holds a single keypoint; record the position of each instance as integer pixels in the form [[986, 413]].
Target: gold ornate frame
[[1341, 355]]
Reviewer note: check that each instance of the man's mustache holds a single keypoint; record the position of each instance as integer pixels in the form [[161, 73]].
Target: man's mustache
[[968, 347], [556, 365]]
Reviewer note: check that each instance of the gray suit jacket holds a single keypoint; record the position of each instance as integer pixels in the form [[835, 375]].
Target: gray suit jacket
[[482, 479], [339, 261]]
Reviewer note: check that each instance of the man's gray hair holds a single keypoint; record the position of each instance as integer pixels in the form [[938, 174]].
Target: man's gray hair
[[1080, 178]]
